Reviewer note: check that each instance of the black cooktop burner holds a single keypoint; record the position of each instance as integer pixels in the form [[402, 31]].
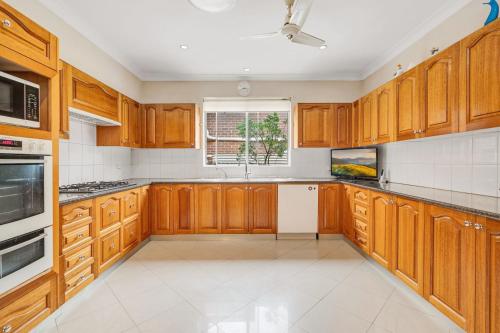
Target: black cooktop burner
[[93, 187]]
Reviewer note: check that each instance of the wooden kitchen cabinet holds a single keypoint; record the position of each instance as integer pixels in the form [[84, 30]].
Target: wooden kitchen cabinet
[[25, 42], [234, 209], [130, 234], [381, 224], [449, 280], [135, 125], [314, 125], [27, 306], [145, 212], [383, 113], [479, 79], [262, 208], [438, 77], [347, 203], [408, 243], [149, 119], [208, 212], [178, 125], [183, 209], [63, 100], [162, 209], [126, 134], [342, 126], [329, 198], [367, 105], [407, 117], [355, 124], [110, 247], [108, 211]]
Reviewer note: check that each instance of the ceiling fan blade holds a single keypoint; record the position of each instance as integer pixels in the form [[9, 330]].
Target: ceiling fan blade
[[306, 39], [289, 3], [300, 12], [261, 36]]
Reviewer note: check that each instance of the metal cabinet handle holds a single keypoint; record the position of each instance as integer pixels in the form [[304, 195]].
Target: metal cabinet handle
[[112, 246], [79, 215], [478, 226], [468, 224], [6, 328], [82, 258], [80, 236], [6, 23]]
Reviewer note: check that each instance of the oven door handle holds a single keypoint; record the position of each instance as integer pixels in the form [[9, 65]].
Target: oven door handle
[[14, 161], [23, 244]]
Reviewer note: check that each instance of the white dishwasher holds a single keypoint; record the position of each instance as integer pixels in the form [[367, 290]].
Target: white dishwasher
[[297, 210]]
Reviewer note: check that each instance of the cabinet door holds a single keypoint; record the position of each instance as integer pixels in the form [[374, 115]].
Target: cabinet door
[[383, 113], [328, 209], [381, 223], [149, 133], [314, 125], [208, 210], [131, 202], [407, 117], [163, 222], [365, 120], [109, 249], [355, 124], [408, 243], [130, 234], [124, 119], [145, 212], [109, 211], [64, 85], [234, 209], [178, 125], [183, 209], [488, 276], [479, 83], [262, 209], [347, 209], [450, 264], [342, 135], [135, 125], [439, 92]]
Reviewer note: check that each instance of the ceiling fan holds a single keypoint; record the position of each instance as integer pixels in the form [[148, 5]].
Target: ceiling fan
[[298, 10]]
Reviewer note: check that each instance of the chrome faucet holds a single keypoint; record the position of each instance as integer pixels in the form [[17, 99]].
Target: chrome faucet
[[247, 173]]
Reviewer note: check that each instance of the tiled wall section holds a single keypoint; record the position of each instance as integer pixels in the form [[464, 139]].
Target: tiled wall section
[[467, 162], [188, 163], [82, 161]]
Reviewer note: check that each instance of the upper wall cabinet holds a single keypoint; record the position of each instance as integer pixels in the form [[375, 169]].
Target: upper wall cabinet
[[24, 42], [314, 124], [126, 135], [355, 124], [407, 119], [438, 80], [178, 125], [87, 94], [480, 79], [342, 120], [365, 120], [382, 124]]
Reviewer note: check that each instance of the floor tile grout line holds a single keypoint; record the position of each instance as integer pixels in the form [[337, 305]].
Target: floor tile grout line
[[380, 311]]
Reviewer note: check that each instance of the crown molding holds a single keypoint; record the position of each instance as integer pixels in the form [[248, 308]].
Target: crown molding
[[253, 77], [446, 11]]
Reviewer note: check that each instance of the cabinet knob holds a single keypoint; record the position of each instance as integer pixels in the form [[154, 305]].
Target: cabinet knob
[[82, 258], [7, 24], [80, 236], [112, 246], [79, 215], [7, 329], [478, 226], [468, 224]]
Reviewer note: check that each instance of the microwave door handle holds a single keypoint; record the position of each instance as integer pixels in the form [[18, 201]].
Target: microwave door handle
[[23, 244], [14, 161]]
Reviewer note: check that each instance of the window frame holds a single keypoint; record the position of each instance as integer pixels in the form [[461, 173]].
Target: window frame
[[218, 166]]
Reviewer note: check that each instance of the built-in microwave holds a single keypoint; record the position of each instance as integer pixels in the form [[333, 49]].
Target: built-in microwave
[[19, 101]]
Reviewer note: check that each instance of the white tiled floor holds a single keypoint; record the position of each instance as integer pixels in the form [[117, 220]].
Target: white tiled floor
[[245, 286]]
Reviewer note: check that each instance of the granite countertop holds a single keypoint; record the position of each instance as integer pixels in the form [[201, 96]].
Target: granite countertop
[[471, 203]]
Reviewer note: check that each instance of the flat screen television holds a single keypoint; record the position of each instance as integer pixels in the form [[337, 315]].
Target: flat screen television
[[355, 163]]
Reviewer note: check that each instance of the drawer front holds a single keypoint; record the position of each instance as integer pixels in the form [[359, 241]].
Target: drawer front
[[81, 257], [109, 212], [361, 210], [74, 237], [130, 204], [109, 247], [361, 239], [130, 233], [361, 195], [78, 281], [361, 226], [22, 314], [76, 212]]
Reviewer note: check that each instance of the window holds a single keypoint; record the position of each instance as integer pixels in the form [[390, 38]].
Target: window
[[246, 131]]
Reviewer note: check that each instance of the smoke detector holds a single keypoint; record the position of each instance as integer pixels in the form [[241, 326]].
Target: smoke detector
[[244, 88]]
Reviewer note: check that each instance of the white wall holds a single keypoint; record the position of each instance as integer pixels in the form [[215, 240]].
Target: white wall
[[81, 161], [465, 162]]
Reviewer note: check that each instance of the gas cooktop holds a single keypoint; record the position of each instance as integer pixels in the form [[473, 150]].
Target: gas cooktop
[[93, 187]]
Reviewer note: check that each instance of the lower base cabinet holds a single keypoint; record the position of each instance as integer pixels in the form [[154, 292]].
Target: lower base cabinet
[[262, 208], [382, 219], [208, 209], [26, 307], [235, 209], [130, 234], [109, 248], [329, 199]]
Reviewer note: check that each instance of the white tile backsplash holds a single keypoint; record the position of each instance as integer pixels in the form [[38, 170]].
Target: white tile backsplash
[[465, 162]]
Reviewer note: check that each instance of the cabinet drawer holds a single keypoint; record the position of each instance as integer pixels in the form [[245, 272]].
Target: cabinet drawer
[[130, 204], [25, 312], [361, 210], [78, 211], [109, 248], [78, 281], [109, 212], [360, 226], [361, 240], [130, 234], [361, 195], [74, 236], [73, 261]]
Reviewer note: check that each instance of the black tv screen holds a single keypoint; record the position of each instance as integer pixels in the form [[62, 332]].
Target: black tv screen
[[358, 163]]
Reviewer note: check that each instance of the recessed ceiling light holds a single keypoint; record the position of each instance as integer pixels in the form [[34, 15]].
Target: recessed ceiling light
[[323, 47], [214, 6], [184, 46], [246, 69]]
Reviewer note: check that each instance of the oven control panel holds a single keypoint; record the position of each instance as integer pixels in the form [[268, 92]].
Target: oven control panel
[[15, 145]]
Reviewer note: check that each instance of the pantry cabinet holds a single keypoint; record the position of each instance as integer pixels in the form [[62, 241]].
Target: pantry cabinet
[[262, 208], [234, 209], [329, 199], [314, 125], [342, 126], [183, 206], [438, 77], [381, 224], [407, 118], [479, 83], [208, 212], [449, 273]]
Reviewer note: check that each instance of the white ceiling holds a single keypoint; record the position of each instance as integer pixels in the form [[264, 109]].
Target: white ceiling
[[145, 35]]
